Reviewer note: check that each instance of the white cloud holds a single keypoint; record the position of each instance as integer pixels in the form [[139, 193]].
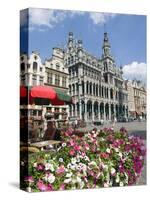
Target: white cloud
[[45, 17], [136, 71], [100, 18]]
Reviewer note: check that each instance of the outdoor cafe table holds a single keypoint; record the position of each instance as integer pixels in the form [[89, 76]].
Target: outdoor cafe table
[[42, 144]]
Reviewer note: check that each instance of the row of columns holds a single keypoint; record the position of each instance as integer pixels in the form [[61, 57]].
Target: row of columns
[[97, 111], [96, 90]]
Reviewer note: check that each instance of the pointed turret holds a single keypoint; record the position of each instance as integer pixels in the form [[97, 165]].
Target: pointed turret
[[70, 40], [106, 46]]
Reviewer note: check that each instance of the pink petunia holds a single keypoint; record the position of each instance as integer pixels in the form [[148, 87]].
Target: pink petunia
[[72, 152], [29, 179], [60, 170], [62, 186], [42, 186]]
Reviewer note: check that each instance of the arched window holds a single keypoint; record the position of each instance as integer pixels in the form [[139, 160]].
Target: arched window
[[90, 88], [22, 67], [34, 66], [69, 89]]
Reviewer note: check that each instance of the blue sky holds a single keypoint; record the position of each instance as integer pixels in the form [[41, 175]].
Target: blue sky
[[127, 35]]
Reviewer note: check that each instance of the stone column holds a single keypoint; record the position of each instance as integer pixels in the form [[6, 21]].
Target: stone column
[[104, 113], [99, 114], [80, 110], [109, 116], [114, 110], [85, 111], [92, 111], [85, 92]]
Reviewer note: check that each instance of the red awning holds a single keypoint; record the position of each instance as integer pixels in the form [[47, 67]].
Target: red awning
[[45, 92], [23, 91]]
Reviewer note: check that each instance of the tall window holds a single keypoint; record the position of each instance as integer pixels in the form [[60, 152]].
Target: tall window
[[34, 80], [64, 81], [22, 67], [41, 80], [34, 67], [57, 80], [23, 80], [49, 78]]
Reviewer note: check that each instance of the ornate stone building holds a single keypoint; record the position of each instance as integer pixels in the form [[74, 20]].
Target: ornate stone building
[[32, 73], [57, 76], [96, 84], [52, 73], [139, 98], [131, 102]]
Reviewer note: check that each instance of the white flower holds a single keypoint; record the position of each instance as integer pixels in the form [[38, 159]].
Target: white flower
[[106, 185], [28, 189], [126, 177], [93, 163], [86, 158], [79, 179], [117, 178], [68, 175], [105, 167], [68, 180], [113, 171], [69, 165], [35, 164], [49, 166], [121, 184], [81, 184], [107, 177], [73, 167], [61, 160], [83, 166], [116, 149], [108, 150], [73, 160], [50, 178], [120, 154], [78, 167], [64, 144]]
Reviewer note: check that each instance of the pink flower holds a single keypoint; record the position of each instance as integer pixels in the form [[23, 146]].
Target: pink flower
[[77, 148], [72, 143], [29, 179], [42, 186], [83, 154], [72, 152], [49, 187], [40, 167], [62, 186], [60, 170], [104, 155], [87, 147]]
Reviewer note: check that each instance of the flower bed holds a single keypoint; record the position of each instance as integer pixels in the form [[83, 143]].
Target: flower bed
[[98, 159]]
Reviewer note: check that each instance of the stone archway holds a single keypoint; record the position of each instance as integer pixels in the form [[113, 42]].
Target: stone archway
[[107, 111], [89, 109], [102, 110], [112, 111], [117, 111], [96, 110], [83, 109]]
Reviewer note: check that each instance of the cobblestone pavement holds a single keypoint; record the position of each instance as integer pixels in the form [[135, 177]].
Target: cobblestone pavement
[[135, 128]]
